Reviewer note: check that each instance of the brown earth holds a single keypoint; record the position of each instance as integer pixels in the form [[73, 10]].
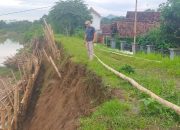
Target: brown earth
[[57, 104]]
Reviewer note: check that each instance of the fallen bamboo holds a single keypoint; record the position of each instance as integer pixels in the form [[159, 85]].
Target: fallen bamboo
[[141, 88], [55, 67]]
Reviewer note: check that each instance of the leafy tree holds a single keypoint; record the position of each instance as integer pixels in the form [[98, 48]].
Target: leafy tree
[[2, 24], [106, 20], [170, 25], [150, 10], [154, 37], [67, 16]]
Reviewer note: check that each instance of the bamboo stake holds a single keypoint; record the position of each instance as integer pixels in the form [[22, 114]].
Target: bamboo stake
[[20, 71], [9, 118], [24, 72], [3, 119], [27, 92], [142, 89], [46, 55], [13, 76], [15, 107], [55, 67]]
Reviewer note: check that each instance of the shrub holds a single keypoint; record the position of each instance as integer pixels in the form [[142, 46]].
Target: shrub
[[127, 69]]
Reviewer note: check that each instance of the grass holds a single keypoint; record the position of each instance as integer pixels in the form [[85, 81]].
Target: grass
[[113, 115], [162, 62], [140, 112], [4, 71]]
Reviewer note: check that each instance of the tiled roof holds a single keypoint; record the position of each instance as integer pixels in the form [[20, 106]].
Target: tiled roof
[[125, 27], [144, 16]]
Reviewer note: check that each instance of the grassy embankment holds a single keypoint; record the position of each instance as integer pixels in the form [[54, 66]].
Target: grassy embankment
[[135, 110]]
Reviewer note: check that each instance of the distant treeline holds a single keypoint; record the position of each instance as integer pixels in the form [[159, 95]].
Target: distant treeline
[[24, 31]]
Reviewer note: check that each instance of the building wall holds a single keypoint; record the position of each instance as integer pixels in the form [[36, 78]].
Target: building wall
[[96, 21]]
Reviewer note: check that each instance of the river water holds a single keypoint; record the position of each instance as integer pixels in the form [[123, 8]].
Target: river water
[[8, 48]]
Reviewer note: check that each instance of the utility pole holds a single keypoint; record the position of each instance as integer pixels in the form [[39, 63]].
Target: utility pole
[[134, 46]]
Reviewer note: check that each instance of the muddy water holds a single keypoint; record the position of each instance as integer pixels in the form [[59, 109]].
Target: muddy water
[[8, 48]]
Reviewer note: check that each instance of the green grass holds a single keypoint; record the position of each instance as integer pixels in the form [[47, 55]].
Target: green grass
[[152, 75], [113, 115], [4, 71]]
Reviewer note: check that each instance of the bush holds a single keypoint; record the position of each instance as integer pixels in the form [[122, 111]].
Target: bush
[[153, 37], [127, 69], [79, 32]]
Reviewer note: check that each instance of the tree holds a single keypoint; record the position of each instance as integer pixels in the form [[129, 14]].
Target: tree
[[150, 10], [2, 24], [170, 25], [67, 16], [106, 20]]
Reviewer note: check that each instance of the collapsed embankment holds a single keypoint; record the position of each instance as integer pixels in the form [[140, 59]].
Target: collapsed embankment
[[58, 103]]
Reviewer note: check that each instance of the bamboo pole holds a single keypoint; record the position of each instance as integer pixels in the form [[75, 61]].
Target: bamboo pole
[[20, 71], [3, 118], [55, 67], [9, 118], [142, 89], [13, 75], [15, 107], [46, 55]]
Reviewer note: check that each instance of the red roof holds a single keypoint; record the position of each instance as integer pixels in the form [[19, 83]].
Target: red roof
[[125, 27], [144, 16]]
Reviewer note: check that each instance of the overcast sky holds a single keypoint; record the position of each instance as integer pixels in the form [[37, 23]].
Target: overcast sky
[[104, 7]]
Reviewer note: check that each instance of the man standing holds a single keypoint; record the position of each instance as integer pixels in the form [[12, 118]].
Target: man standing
[[89, 39]]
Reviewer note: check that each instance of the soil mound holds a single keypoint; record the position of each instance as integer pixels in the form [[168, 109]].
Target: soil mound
[[57, 104]]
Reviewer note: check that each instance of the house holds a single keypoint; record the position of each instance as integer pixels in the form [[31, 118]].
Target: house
[[96, 19], [145, 22]]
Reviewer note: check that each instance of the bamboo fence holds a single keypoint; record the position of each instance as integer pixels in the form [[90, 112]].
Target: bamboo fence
[[15, 99]]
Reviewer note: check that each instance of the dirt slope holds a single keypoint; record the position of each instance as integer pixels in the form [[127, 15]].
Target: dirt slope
[[57, 104]]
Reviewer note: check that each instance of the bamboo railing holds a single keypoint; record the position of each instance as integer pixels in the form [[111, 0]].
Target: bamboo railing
[[15, 99]]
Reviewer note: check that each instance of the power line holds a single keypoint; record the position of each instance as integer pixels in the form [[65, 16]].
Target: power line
[[24, 11]]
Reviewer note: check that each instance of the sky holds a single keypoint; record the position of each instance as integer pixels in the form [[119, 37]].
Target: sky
[[104, 7]]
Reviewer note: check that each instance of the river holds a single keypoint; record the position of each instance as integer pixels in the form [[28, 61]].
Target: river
[[8, 48]]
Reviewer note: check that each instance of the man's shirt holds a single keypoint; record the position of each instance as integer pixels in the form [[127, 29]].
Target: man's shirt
[[90, 33]]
